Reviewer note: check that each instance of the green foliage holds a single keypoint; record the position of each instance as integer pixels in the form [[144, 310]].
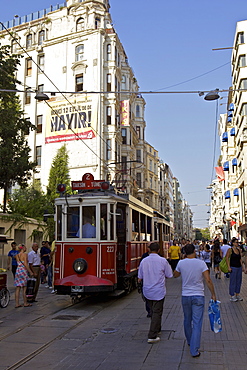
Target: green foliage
[[29, 202], [59, 174], [205, 234], [15, 164]]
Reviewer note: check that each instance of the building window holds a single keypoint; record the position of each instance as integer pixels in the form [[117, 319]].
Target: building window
[[242, 61], [116, 118], [27, 96], [40, 88], [97, 23], [38, 155], [138, 132], [108, 82], [124, 164], [139, 179], [243, 83], [244, 110], [151, 182], [138, 155], [41, 37], [108, 115], [29, 40], [123, 82], [240, 38], [14, 46], [138, 111], [39, 124], [79, 82], [79, 52], [26, 129], [108, 52], [124, 135], [80, 24], [108, 149], [41, 63], [29, 67], [150, 165]]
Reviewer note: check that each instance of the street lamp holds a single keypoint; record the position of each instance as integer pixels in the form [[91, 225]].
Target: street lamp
[[40, 96], [212, 95]]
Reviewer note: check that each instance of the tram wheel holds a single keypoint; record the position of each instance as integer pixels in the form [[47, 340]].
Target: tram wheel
[[4, 297]]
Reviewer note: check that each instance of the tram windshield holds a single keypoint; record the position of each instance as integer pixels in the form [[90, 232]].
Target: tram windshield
[[89, 222]]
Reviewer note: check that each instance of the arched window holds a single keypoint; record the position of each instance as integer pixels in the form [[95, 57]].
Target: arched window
[[108, 52], [80, 24], [14, 46], [41, 37], [29, 41], [97, 23], [138, 114], [79, 52]]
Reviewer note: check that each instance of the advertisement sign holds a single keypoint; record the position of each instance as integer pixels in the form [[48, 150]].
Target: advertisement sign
[[72, 119], [125, 112]]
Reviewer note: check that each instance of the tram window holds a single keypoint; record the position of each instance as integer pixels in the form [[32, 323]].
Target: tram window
[[89, 222], [112, 223], [73, 218], [149, 228], [59, 222], [103, 221]]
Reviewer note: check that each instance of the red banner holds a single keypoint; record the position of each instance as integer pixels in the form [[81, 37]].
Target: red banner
[[220, 173]]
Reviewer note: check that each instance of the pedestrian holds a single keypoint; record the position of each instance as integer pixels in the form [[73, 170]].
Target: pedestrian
[[244, 254], [224, 248], [153, 271], [11, 259], [21, 276], [45, 256], [148, 309], [234, 263], [206, 256], [216, 258], [193, 271], [34, 264], [174, 254]]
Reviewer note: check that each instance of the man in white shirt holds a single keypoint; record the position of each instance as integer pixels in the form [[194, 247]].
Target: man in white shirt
[[153, 271], [224, 248], [193, 271], [34, 264]]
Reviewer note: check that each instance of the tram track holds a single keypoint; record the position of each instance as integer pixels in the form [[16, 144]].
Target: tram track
[[24, 360]]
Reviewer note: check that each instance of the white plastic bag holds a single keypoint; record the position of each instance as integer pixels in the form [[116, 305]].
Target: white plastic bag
[[214, 316]]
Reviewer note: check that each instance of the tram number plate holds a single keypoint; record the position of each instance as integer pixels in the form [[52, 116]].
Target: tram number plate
[[77, 289], [110, 249]]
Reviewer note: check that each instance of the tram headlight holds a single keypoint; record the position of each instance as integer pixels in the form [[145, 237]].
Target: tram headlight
[[80, 265]]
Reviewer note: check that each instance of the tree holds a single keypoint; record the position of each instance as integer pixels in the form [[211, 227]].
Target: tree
[[15, 164], [59, 173]]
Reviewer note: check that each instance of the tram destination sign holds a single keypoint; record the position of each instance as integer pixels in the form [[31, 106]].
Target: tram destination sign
[[87, 183]]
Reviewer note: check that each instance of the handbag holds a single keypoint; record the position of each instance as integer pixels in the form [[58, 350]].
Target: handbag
[[223, 265]]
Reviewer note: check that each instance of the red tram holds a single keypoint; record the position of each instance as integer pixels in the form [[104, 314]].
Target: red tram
[[100, 238]]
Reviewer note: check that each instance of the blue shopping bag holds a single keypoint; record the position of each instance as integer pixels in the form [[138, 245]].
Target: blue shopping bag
[[214, 316]]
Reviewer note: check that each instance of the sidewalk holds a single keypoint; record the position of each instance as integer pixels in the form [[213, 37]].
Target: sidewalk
[[116, 338]]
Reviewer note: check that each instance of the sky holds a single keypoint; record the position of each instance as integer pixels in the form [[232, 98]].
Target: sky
[[169, 47]]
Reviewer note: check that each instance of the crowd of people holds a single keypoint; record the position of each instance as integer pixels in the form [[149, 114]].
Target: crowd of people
[[193, 262], [36, 264]]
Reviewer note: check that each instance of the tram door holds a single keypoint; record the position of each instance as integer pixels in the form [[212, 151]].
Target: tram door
[[121, 236]]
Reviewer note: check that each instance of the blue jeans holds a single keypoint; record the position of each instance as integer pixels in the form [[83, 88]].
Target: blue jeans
[[193, 307], [50, 273], [235, 280]]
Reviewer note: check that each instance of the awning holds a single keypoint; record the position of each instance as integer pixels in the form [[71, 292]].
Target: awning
[[225, 137], [229, 120], [229, 114], [234, 162], [226, 166], [220, 173], [233, 132], [236, 192], [227, 194], [231, 107]]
